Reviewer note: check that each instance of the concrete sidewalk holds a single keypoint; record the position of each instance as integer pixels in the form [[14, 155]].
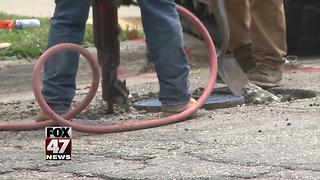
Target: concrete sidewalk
[[128, 16], [44, 8]]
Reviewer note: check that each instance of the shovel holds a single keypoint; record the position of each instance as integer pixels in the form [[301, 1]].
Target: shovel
[[228, 68]]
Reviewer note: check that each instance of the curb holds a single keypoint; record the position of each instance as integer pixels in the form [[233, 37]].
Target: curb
[[9, 63]]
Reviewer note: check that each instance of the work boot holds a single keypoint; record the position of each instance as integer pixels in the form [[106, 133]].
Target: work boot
[[41, 116], [266, 76], [171, 111]]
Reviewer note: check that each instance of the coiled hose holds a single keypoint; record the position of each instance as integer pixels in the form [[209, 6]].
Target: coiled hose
[[63, 121]]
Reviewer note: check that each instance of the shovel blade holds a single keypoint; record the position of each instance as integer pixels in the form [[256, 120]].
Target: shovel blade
[[231, 73]]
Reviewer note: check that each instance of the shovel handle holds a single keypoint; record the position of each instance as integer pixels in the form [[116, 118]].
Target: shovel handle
[[223, 24]]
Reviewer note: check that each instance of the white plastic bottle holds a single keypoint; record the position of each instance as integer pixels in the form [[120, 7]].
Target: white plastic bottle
[[26, 23]]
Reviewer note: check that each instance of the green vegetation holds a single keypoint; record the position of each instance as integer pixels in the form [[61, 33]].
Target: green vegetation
[[131, 34], [27, 43], [31, 43]]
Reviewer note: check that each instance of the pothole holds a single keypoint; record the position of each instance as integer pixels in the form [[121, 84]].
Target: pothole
[[290, 95], [223, 98], [256, 95]]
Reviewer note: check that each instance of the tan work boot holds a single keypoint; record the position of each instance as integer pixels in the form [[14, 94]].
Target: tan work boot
[[171, 111], [41, 116], [266, 76]]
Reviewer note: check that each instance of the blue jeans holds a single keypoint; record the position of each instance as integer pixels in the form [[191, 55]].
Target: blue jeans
[[164, 39]]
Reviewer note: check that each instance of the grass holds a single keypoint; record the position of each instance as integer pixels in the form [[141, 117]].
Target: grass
[[30, 43]]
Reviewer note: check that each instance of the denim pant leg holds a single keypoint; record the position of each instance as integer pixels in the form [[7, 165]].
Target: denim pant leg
[[66, 26], [164, 38]]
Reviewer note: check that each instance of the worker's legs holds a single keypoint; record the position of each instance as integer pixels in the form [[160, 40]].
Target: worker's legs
[[268, 36], [66, 26], [165, 41], [240, 37], [268, 31]]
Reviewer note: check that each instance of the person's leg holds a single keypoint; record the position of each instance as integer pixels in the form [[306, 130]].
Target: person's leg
[[268, 34], [165, 41], [240, 37], [268, 31], [66, 26]]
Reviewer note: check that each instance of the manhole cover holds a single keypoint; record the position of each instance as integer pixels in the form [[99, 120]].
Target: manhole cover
[[215, 101], [223, 100], [151, 105]]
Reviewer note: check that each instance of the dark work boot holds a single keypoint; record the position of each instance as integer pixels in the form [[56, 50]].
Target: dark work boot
[[266, 76]]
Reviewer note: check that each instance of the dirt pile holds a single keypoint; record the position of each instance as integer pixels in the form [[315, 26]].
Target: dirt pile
[[256, 95]]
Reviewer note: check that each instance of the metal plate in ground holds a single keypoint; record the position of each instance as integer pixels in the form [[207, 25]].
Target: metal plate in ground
[[150, 105], [215, 101], [223, 100]]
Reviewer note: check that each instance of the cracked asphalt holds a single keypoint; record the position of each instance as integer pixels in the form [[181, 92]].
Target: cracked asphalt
[[266, 141]]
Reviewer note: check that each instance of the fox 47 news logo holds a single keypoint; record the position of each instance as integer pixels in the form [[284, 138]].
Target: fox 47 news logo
[[58, 143]]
